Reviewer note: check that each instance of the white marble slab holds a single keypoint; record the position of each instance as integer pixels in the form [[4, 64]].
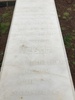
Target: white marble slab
[[35, 65]]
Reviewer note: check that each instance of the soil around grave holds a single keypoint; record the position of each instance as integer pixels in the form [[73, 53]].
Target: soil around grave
[[66, 13]]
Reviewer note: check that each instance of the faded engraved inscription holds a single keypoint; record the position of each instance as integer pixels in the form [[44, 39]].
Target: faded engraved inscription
[[36, 51]]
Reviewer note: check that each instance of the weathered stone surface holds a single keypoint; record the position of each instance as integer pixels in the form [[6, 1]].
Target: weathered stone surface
[[35, 65]]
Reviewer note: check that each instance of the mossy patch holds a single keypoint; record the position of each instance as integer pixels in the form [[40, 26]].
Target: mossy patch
[[69, 9], [74, 62], [67, 40], [73, 5], [4, 27], [66, 15], [63, 28]]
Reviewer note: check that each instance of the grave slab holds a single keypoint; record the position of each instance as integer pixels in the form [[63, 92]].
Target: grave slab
[[35, 65]]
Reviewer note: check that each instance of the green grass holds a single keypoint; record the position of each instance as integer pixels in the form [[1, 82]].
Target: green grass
[[67, 40], [4, 27], [4, 22], [5, 15]]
